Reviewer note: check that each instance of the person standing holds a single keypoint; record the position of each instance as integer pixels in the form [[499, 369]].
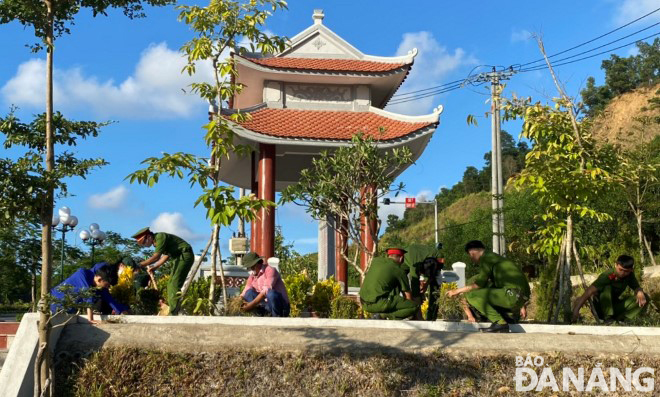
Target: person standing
[[499, 288], [383, 285], [168, 247]]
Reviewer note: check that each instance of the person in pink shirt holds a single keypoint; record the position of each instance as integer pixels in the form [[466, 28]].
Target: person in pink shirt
[[264, 291]]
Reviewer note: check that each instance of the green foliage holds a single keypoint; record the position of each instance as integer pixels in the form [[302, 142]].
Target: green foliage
[[197, 302], [623, 75], [298, 287], [218, 27], [323, 293], [291, 262], [33, 13], [344, 307], [336, 185], [25, 183], [448, 308], [146, 302], [565, 170]]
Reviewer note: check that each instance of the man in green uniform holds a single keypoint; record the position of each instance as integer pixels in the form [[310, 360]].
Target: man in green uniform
[[423, 260], [608, 288], [382, 287], [167, 247], [499, 287]]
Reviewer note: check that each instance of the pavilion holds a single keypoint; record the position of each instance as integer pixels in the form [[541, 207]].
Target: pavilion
[[314, 96]]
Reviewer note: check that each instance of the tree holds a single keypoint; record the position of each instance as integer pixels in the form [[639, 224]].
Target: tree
[[623, 75], [637, 173], [335, 187], [566, 170], [51, 19], [219, 27]]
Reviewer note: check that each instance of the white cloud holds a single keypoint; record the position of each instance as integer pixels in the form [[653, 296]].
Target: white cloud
[[112, 199], [306, 241], [520, 35], [629, 10], [153, 91], [174, 223], [433, 63]]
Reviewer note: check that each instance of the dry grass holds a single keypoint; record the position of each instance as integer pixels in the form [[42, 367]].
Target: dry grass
[[130, 372]]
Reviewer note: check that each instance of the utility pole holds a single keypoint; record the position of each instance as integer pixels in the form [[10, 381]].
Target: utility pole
[[497, 188]]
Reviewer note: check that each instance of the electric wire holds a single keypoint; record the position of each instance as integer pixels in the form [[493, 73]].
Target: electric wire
[[541, 67], [594, 39], [606, 44]]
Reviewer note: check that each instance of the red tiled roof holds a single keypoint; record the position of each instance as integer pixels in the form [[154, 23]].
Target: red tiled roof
[[341, 65], [331, 125]]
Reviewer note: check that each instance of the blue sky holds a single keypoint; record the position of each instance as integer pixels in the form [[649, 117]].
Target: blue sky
[[111, 68]]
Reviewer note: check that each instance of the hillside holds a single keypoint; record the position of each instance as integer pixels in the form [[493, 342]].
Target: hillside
[[459, 211], [618, 125]]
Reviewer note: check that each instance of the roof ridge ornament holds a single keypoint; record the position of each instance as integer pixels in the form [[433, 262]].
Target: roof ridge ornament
[[438, 110], [318, 16]]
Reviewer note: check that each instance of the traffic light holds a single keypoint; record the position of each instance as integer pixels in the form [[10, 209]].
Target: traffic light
[[386, 201]]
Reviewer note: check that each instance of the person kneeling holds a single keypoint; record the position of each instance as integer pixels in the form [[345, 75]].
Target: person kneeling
[[264, 291], [499, 288], [607, 290], [382, 287]]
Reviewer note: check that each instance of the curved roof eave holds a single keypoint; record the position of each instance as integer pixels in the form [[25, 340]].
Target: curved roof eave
[[268, 139], [306, 72]]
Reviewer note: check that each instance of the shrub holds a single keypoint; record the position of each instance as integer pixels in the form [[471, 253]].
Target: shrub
[[344, 307], [146, 302], [124, 291], [298, 287], [322, 295], [449, 308], [196, 301]]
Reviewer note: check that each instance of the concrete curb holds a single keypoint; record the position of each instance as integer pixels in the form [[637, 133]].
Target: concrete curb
[[440, 326]]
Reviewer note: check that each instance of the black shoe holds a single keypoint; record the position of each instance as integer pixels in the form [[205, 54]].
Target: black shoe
[[496, 328]]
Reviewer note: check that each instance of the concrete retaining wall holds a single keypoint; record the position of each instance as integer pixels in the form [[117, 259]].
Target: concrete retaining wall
[[17, 375]]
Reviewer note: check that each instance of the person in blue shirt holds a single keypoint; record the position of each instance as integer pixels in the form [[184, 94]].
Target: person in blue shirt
[[101, 277]]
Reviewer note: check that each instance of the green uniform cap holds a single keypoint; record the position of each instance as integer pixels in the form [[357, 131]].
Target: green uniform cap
[[250, 259], [128, 261], [141, 232]]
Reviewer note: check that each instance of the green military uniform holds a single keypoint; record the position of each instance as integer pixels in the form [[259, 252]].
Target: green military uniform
[[609, 304], [502, 287], [181, 256], [382, 287], [413, 264]]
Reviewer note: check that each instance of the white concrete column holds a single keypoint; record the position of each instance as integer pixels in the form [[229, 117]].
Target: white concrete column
[[326, 250]]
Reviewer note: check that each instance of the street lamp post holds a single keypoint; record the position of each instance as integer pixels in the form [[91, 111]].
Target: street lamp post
[[68, 222], [94, 236], [387, 201]]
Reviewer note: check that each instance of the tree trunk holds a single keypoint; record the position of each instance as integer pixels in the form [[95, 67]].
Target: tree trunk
[[650, 252], [44, 362], [640, 236], [565, 302], [222, 276], [194, 269], [214, 262]]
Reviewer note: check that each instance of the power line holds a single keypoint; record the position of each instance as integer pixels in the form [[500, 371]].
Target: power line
[[606, 44], [427, 89], [448, 89], [594, 39], [541, 67]]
